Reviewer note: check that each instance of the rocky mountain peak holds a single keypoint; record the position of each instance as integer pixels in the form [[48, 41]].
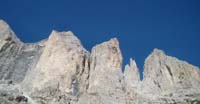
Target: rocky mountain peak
[[108, 52], [59, 70], [131, 74], [158, 52], [6, 33], [62, 60], [66, 38], [164, 74]]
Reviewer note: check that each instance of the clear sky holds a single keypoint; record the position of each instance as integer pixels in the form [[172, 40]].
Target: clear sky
[[139, 25]]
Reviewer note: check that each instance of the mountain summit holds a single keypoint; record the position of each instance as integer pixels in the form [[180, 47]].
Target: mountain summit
[[59, 70]]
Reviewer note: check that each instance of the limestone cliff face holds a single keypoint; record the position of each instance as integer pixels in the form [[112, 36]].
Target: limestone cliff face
[[16, 58], [164, 73], [62, 67], [59, 70], [106, 78]]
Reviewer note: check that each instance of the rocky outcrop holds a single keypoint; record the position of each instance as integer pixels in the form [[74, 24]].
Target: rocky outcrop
[[131, 74], [166, 76], [106, 78], [163, 74], [59, 70], [62, 67], [132, 82], [16, 57]]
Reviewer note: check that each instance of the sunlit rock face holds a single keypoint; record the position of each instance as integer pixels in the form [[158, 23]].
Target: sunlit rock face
[[168, 78], [164, 74], [106, 78], [59, 70], [131, 74], [62, 67]]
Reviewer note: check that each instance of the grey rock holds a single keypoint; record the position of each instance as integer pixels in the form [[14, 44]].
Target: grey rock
[[132, 82], [163, 74], [59, 70], [106, 78], [168, 79], [131, 74], [16, 57]]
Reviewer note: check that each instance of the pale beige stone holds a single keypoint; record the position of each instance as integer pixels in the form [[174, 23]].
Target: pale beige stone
[[59, 70]]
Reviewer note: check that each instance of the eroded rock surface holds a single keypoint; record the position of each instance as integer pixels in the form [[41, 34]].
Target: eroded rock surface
[[106, 78], [16, 57], [59, 70]]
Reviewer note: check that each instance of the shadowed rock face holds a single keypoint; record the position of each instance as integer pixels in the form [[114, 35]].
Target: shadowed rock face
[[59, 70], [16, 58]]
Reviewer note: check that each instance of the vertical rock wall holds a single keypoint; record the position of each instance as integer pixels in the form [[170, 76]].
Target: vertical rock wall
[[59, 70]]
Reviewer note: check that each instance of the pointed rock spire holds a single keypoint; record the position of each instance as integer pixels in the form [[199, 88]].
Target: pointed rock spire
[[105, 72], [107, 54], [131, 74]]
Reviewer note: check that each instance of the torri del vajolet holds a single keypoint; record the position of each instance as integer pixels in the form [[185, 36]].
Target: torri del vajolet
[[59, 70]]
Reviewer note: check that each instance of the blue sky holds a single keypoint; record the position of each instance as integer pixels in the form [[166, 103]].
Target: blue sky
[[139, 25]]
